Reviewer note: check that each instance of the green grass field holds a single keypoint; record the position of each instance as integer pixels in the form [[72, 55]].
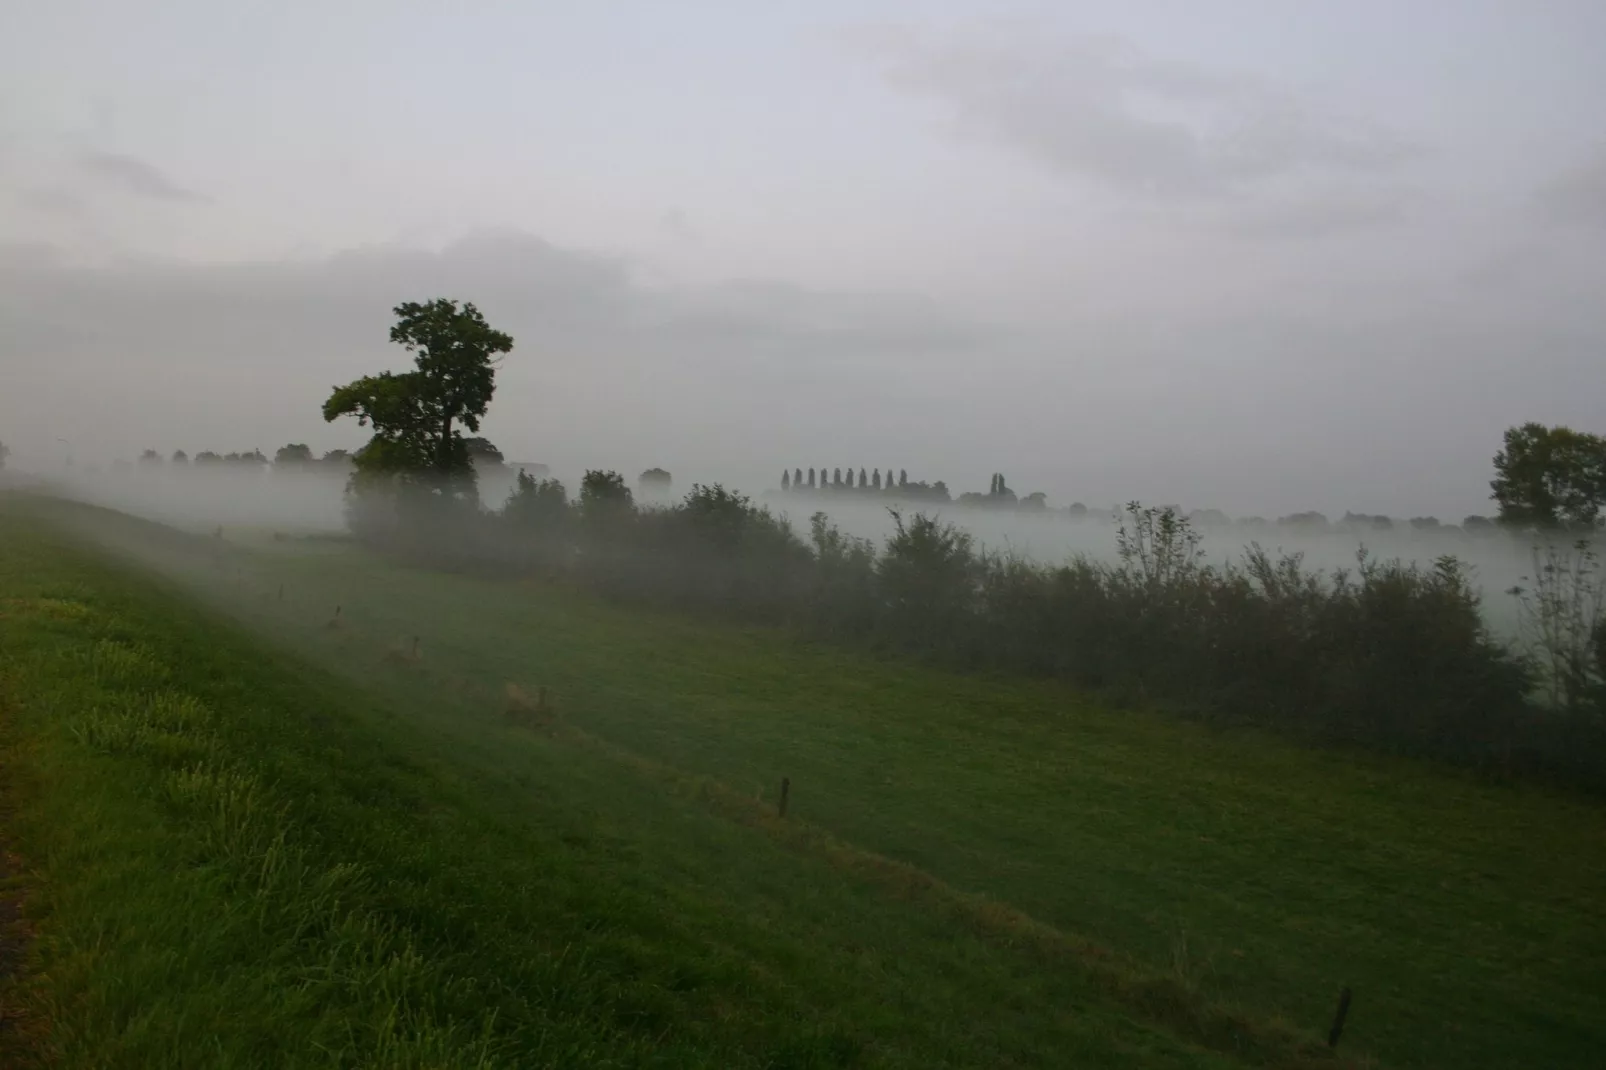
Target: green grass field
[[253, 839]]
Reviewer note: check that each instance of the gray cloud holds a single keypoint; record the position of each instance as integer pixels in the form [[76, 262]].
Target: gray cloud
[[732, 381], [606, 370], [1344, 211], [678, 225], [1578, 195], [1103, 111], [134, 175], [53, 200]]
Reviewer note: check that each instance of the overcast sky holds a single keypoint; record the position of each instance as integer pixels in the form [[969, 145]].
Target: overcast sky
[[1262, 255]]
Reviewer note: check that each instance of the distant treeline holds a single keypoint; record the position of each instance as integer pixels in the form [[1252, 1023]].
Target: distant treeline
[[1384, 655], [893, 489], [826, 484]]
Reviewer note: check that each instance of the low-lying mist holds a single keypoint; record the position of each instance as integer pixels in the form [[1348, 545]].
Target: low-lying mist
[[312, 502]]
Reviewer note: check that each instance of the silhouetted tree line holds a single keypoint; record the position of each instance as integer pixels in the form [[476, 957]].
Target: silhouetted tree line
[[1385, 655], [868, 481]]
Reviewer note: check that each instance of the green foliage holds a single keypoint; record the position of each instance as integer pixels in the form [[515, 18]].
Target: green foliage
[[930, 576], [540, 505], [482, 451], [1550, 477], [294, 455], [606, 505], [415, 415], [1387, 655], [1563, 622]]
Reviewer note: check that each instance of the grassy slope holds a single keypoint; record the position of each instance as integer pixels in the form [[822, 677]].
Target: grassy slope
[[1468, 918], [241, 860]]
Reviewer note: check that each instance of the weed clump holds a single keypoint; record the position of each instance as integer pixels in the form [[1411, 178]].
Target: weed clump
[[524, 710], [404, 652]]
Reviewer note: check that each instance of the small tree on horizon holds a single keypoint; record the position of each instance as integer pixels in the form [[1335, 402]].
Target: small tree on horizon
[[811, 479], [416, 415], [1550, 477], [786, 480], [875, 480], [180, 457], [903, 478], [294, 455], [836, 477], [655, 479]]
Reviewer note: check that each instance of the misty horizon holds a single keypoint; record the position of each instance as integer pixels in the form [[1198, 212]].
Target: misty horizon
[[1117, 252]]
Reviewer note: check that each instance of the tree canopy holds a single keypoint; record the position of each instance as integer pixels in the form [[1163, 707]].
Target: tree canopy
[[416, 415], [293, 455], [1550, 477]]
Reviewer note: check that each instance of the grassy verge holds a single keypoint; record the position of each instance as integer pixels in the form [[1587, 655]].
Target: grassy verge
[[1197, 870], [234, 858]]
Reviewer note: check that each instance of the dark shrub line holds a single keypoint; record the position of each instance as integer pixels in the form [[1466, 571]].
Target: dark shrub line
[[1388, 655]]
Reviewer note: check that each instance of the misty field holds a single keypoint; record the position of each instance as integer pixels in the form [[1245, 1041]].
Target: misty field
[[322, 829], [309, 503]]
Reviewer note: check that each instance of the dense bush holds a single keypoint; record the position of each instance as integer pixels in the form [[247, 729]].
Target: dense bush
[[1385, 654]]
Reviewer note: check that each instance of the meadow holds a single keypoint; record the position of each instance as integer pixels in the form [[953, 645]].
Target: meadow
[[972, 871]]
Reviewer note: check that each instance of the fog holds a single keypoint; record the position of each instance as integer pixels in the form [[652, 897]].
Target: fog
[[1259, 263], [297, 503]]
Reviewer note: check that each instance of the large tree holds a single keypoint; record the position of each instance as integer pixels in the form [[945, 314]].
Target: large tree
[[416, 415], [1550, 477]]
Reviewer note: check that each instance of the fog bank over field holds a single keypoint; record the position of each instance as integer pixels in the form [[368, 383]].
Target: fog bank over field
[[201, 498]]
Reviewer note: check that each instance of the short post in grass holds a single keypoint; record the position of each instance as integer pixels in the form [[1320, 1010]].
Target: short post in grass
[[1338, 1019], [786, 791]]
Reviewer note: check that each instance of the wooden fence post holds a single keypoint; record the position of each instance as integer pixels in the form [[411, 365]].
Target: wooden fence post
[[1338, 1019]]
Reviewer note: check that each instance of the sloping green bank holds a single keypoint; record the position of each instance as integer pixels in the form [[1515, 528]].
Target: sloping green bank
[[235, 859]]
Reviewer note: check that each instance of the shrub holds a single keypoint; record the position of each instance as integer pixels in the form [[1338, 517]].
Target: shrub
[[1384, 654]]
